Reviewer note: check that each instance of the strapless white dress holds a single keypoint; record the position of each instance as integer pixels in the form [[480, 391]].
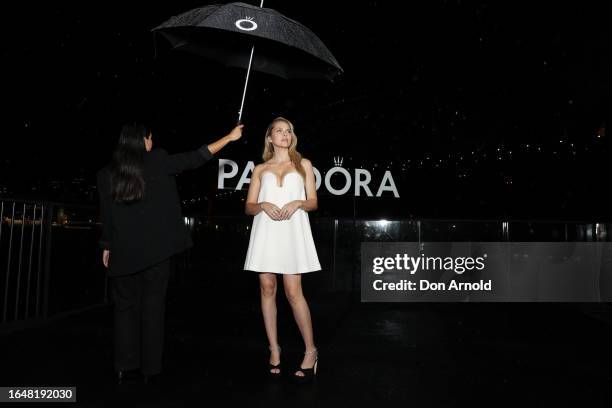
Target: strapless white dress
[[286, 246]]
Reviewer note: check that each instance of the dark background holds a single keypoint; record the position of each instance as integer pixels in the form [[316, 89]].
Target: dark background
[[479, 109]]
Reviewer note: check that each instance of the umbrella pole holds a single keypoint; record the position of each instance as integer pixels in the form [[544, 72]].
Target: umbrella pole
[[246, 81]]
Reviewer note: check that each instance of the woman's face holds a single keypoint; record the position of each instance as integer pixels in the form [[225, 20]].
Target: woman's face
[[281, 135], [148, 141]]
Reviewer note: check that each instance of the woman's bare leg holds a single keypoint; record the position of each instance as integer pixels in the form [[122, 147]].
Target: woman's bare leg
[[301, 313], [267, 286]]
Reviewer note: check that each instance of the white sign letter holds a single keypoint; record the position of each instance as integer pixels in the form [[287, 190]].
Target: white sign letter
[[359, 184], [391, 187], [347, 176], [244, 179], [317, 177], [225, 175]]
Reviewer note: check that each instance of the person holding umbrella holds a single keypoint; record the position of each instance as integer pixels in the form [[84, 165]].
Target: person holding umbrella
[[281, 192], [142, 228]]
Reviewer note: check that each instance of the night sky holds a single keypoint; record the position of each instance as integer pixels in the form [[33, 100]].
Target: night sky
[[479, 108]]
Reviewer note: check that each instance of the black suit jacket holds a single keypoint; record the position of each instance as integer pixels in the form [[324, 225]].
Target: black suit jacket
[[151, 230]]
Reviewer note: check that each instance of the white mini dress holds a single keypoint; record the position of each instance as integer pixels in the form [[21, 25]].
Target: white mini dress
[[286, 246]]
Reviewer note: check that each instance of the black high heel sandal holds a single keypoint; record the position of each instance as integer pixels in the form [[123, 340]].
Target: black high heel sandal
[[309, 373], [272, 366]]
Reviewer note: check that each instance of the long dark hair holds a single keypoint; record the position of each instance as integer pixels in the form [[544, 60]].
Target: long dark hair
[[127, 182]]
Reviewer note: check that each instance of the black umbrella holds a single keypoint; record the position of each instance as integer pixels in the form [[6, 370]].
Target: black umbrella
[[226, 32]]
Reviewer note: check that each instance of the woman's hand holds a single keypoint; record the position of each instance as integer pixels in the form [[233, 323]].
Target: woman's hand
[[271, 210], [232, 136], [236, 133], [288, 209], [105, 256]]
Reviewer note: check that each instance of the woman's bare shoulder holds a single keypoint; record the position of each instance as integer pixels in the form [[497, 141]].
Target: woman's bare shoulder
[[260, 167], [306, 163]]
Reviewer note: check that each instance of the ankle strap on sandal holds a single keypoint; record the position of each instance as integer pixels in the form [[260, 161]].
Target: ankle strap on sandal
[[311, 352], [271, 348]]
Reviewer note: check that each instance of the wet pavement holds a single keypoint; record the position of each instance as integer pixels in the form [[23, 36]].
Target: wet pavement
[[384, 354]]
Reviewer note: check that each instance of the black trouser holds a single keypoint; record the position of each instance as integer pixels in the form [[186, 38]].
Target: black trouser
[[140, 303]]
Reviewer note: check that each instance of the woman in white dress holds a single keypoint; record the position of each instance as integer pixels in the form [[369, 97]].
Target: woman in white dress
[[281, 192]]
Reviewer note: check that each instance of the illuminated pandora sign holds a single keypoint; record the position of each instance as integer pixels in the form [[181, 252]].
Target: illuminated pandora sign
[[338, 180]]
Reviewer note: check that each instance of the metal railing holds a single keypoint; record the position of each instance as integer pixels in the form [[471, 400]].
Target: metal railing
[[39, 263], [23, 228], [50, 262]]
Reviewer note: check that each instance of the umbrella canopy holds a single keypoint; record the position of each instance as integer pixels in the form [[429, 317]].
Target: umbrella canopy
[[227, 32]]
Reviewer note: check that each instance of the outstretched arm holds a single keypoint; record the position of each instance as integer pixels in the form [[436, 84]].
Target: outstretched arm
[[177, 163]]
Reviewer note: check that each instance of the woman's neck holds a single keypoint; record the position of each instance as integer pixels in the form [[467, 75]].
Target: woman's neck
[[281, 156]]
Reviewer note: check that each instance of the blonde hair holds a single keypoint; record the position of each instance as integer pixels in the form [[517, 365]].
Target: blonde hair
[[294, 155]]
